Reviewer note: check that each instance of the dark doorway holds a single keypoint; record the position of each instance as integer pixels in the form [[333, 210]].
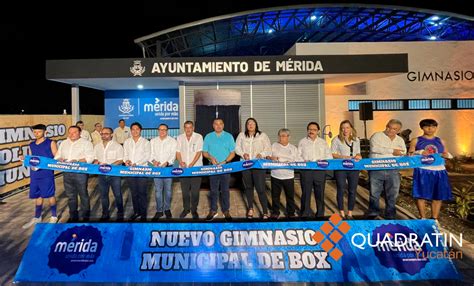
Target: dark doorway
[[205, 115]]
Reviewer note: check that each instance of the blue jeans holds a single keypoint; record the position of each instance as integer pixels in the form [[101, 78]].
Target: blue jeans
[[220, 183], [388, 181], [105, 182], [163, 194]]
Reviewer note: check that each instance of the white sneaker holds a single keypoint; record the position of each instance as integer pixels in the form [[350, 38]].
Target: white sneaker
[[32, 222], [53, 219]]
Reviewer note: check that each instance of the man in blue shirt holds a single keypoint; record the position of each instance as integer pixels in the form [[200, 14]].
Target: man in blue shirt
[[219, 149]]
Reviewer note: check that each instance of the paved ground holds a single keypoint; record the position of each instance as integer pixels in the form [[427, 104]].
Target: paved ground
[[18, 210]]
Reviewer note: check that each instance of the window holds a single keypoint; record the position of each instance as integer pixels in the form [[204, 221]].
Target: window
[[389, 105], [465, 103], [419, 104], [354, 104], [441, 104], [416, 104]]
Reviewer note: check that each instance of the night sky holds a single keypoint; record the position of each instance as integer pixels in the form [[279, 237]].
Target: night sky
[[33, 32]]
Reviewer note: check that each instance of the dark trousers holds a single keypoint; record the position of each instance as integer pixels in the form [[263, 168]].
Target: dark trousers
[[76, 184], [312, 180], [190, 188], [346, 180], [105, 182], [289, 186], [255, 179], [220, 184], [138, 188]]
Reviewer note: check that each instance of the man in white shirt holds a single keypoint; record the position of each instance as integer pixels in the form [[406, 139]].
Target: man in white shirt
[[96, 137], [385, 144], [163, 154], [122, 132], [313, 148], [109, 152], [189, 154], [283, 151], [136, 152], [76, 149], [84, 133]]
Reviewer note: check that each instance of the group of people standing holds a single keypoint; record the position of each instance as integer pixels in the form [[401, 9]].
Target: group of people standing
[[126, 146]]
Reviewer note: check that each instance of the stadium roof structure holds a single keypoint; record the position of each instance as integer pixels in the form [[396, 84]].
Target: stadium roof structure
[[273, 31]]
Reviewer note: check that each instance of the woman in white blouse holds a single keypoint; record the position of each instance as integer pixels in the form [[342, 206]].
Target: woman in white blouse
[[254, 144], [346, 146]]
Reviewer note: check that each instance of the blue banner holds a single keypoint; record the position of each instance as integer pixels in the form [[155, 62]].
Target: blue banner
[[332, 251], [144, 171], [149, 107]]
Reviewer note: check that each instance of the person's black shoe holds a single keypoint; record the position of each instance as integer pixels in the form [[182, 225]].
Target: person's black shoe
[[274, 216], [168, 214], [211, 215], [370, 216], [291, 216], [85, 219], [143, 218], [157, 216], [119, 218], [195, 215], [306, 215], [227, 216], [134, 217], [104, 218], [184, 214], [73, 220]]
